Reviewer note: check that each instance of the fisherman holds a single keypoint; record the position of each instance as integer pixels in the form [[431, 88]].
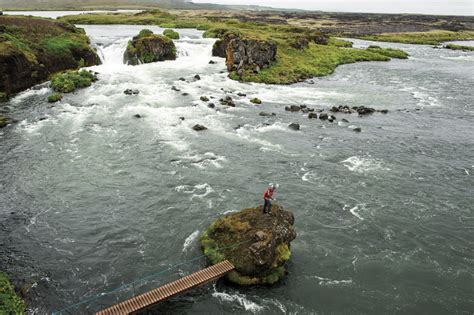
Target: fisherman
[[268, 198]]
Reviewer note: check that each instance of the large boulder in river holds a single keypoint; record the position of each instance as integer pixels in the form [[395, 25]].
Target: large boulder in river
[[220, 46], [252, 54], [257, 244], [147, 47]]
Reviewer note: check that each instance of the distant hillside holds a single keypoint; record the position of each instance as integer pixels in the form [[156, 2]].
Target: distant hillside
[[76, 4]]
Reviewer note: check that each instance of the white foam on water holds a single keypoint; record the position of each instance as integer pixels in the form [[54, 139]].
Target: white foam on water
[[190, 240], [239, 299], [332, 282], [207, 190], [363, 165], [463, 58], [28, 93]]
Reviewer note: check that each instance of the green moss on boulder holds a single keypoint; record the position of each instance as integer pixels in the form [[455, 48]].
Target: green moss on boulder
[[69, 81], [148, 47], [171, 34], [257, 244], [256, 101], [10, 303], [55, 97]]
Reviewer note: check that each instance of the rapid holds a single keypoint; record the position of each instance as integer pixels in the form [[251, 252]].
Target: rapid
[[93, 198]]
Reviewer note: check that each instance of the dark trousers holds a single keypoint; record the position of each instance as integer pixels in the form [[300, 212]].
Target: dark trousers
[[267, 206]]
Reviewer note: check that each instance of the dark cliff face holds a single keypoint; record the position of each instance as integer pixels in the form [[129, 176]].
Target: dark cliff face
[[149, 47], [32, 49], [250, 54], [244, 54]]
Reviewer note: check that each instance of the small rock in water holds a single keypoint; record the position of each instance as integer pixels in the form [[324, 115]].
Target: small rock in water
[[174, 88], [185, 94], [266, 114], [256, 101], [199, 127], [212, 62], [227, 101], [204, 99], [137, 116], [362, 110], [357, 129], [344, 120], [293, 108], [241, 94], [313, 116], [182, 79], [131, 92], [197, 77], [211, 105], [181, 118], [323, 116], [294, 126], [384, 111]]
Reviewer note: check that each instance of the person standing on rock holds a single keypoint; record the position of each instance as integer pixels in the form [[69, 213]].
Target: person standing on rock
[[268, 198]]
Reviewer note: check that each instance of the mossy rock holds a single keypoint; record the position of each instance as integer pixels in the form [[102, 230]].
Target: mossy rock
[[10, 303], [148, 47], [171, 34], [257, 244], [5, 121], [69, 81], [256, 101], [55, 97]]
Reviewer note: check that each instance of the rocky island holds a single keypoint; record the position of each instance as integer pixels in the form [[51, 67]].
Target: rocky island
[[147, 47], [257, 244]]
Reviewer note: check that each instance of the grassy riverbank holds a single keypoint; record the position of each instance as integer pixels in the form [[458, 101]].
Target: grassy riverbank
[[422, 38], [31, 49], [292, 64], [459, 47]]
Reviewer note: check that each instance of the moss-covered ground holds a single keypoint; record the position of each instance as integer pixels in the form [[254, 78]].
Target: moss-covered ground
[[423, 38], [459, 47], [10, 303], [229, 238], [171, 34], [292, 65], [32, 35]]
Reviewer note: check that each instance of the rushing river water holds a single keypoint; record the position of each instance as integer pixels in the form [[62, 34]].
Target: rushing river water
[[92, 198]]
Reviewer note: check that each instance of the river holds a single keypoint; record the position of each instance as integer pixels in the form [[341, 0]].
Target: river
[[93, 198]]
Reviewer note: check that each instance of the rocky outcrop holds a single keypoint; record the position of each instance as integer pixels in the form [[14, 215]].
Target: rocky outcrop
[[148, 47], [220, 46], [47, 47], [249, 54], [257, 244]]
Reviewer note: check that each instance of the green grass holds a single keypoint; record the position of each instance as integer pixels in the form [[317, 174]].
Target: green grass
[[339, 42], [171, 34], [62, 45], [459, 47], [421, 38], [389, 52], [10, 303], [69, 81], [294, 65]]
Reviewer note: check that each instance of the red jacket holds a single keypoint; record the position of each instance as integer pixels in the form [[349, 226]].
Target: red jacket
[[268, 194]]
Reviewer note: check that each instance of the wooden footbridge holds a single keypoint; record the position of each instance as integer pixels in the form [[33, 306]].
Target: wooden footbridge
[[169, 290]]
